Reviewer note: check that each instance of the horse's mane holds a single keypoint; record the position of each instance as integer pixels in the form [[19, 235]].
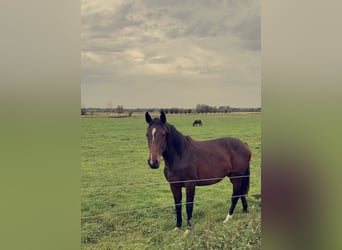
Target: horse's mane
[[174, 145], [175, 139]]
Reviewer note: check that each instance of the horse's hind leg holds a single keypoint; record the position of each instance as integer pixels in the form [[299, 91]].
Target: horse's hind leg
[[235, 197], [244, 204], [244, 190]]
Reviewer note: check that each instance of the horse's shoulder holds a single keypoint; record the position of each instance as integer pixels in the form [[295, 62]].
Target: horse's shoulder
[[188, 138]]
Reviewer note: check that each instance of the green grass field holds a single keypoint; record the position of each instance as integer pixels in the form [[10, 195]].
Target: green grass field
[[127, 205]]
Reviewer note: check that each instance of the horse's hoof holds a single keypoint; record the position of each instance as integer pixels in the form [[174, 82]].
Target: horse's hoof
[[228, 218], [176, 229]]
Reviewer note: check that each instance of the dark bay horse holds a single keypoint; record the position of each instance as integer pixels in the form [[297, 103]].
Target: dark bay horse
[[190, 163], [197, 122]]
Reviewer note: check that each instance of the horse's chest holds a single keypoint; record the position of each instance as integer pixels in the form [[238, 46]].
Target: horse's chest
[[170, 176]]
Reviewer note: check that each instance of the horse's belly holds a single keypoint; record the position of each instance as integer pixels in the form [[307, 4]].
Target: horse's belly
[[206, 182]]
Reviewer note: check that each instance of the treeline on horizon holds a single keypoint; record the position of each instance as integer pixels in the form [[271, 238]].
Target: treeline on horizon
[[200, 108]]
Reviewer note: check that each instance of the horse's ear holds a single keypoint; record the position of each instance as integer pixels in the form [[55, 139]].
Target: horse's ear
[[162, 117], [148, 118]]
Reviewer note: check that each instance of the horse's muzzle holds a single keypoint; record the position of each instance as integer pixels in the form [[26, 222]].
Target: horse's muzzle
[[153, 164]]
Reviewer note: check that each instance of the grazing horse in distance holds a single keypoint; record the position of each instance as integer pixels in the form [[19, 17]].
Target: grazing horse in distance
[[190, 163], [197, 123]]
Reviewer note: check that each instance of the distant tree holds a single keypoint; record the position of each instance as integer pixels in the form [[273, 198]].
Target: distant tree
[[203, 108], [199, 108], [119, 109], [109, 106]]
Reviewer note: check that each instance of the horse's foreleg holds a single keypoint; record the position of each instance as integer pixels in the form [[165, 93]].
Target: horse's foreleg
[[177, 196], [190, 195]]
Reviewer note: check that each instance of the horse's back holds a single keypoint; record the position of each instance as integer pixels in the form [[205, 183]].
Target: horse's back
[[239, 147], [224, 155], [231, 144]]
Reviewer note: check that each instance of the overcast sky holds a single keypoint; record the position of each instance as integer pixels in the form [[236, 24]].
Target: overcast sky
[[170, 53]]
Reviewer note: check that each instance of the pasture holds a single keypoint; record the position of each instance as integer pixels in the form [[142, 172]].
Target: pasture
[[127, 205]]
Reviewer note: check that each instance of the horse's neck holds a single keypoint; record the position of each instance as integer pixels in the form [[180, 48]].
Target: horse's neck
[[171, 157], [175, 147]]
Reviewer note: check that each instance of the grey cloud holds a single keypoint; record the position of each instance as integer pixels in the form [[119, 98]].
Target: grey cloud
[[159, 60], [199, 69], [135, 21], [249, 32], [108, 20], [157, 42]]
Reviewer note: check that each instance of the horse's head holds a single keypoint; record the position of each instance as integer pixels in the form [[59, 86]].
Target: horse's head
[[156, 137]]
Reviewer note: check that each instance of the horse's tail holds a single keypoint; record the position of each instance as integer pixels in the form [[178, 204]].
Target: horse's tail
[[245, 182]]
